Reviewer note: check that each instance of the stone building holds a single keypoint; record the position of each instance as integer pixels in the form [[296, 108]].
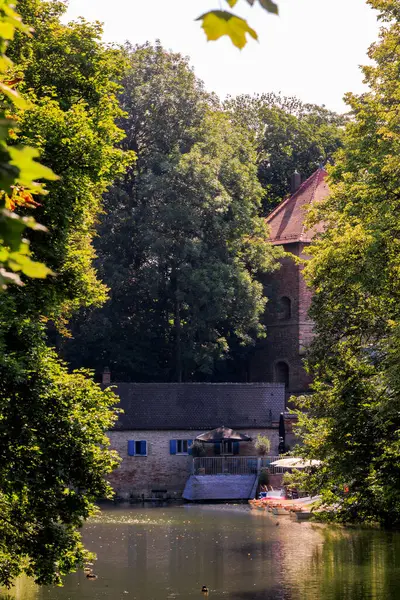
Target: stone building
[[279, 357], [160, 421]]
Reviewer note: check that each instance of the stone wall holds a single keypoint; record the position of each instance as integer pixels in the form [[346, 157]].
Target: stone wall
[[287, 338], [160, 470]]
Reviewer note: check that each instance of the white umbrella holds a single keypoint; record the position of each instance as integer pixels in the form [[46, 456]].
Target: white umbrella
[[295, 463]]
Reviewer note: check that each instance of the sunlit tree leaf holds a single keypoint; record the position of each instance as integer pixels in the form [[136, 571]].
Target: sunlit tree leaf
[[217, 23], [20, 261], [29, 169], [13, 95]]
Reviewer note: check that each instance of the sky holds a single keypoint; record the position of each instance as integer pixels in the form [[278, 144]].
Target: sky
[[313, 50]]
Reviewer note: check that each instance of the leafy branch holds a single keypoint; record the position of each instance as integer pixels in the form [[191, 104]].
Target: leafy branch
[[18, 169], [217, 23]]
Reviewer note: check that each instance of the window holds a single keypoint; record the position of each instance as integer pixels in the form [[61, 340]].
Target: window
[[226, 447], [137, 448], [282, 373], [285, 308], [180, 446]]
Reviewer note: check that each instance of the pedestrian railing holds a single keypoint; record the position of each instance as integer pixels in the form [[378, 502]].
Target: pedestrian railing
[[266, 464], [234, 465]]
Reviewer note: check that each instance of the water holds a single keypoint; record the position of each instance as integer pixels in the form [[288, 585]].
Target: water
[[169, 553]]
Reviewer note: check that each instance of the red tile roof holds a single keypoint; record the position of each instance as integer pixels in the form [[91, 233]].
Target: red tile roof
[[286, 222]]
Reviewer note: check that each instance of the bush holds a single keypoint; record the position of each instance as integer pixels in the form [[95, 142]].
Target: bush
[[263, 478], [262, 445]]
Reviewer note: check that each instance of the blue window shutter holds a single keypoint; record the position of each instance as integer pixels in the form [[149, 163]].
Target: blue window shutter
[[143, 448], [172, 446], [131, 448], [217, 448], [235, 447], [190, 444]]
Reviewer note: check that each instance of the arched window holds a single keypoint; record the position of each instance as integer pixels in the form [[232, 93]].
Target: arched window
[[282, 373], [285, 308]]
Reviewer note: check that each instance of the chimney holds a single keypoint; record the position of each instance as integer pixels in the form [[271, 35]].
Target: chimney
[[106, 376], [295, 182]]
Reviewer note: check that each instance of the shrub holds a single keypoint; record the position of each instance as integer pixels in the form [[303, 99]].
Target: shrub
[[262, 445]]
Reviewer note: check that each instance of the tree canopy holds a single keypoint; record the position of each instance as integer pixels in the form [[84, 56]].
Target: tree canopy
[[55, 455], [18, 168], [352, 421], [183, 239], [289, 136]]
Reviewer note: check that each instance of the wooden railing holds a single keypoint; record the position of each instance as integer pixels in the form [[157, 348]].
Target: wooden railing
[[233, 465]]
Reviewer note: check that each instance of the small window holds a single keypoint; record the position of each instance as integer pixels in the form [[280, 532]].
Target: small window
[[137, 448], [227, 447], [180, 446], [285, 309]]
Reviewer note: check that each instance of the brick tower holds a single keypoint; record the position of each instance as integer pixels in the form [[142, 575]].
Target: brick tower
[[279, 357]]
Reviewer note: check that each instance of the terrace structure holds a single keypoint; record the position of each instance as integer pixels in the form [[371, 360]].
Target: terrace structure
[[155, 433]]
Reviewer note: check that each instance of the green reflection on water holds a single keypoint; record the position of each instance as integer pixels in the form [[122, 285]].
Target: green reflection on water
[[169, 553]]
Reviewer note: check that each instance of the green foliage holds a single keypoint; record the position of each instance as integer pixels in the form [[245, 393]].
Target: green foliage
[[217, 23], [264, 477], [183, 241], [18, 169], [71, 121], [289, 136], [55, 458], [262, 445], [53, 445], [352, 420]]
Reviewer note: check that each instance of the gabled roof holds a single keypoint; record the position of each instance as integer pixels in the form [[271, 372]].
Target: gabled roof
[[201, 406], [286, 222]]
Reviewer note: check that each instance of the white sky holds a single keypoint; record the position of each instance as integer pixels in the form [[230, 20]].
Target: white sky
[[312, 50]]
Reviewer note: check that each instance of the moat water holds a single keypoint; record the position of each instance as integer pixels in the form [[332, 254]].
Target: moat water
[[169, 553]]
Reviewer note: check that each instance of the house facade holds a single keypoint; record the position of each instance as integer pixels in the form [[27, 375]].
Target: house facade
[[279, 357], [155, 433]]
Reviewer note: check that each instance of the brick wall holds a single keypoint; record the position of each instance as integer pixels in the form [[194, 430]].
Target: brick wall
[[286, 338], [160, 470], [306, 325]]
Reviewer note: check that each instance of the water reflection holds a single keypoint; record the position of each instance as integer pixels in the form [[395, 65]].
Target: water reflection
[[169, 553]]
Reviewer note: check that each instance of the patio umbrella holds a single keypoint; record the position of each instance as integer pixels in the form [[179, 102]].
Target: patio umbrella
[[282, 435], [295, 463], [222, 434], [281, 431]]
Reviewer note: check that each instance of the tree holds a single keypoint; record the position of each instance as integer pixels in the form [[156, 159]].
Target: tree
[[54, 450], [289, 135], [18, 169], [352, 421], [73, 107], [183, 240], [55, 458]]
